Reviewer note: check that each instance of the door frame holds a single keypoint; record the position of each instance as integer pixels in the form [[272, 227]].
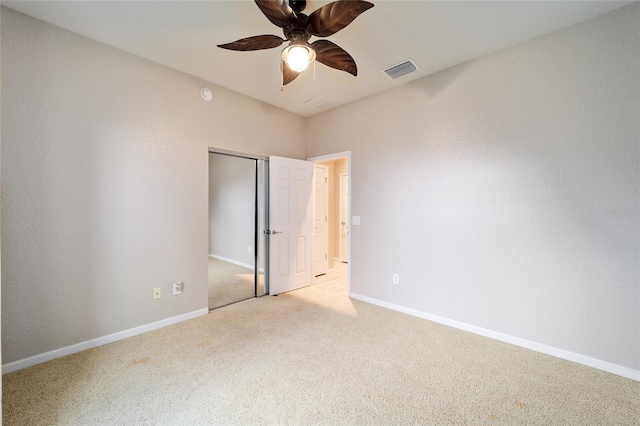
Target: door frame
[[333, 157]]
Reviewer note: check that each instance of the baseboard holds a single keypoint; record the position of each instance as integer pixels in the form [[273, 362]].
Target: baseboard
[[94, 343], [235, 262], [538, 347]]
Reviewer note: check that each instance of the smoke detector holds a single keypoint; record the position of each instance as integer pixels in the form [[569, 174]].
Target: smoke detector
[[206, 94]]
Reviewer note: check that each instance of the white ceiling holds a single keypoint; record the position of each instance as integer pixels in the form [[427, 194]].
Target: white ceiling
[[435, 34]]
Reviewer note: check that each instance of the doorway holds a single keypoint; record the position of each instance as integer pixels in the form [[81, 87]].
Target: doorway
[[236, 265], [338, 169]]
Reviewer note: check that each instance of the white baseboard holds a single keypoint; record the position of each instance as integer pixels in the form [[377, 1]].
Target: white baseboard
[[94, 343], [538, 347], [235, 262]]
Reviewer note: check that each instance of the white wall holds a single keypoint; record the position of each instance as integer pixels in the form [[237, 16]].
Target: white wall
[[505, 191], [232, 182], [104, 184]]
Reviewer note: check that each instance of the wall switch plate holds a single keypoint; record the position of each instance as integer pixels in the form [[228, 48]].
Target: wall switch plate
[[355, 220], [177, 288], [396, 278], [157, 293]]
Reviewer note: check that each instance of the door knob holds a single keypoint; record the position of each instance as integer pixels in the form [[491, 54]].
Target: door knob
[[275, 232], [343, 223]]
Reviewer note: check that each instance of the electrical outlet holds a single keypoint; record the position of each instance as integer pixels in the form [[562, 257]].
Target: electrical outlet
[[396, 279], [177, 288], [249, 250], [157, 293]]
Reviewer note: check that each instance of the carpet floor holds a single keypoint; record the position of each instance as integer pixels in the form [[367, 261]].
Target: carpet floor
[[229, 283], [314, 357]]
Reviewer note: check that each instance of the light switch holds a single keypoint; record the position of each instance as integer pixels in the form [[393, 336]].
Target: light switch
[[355, 220]]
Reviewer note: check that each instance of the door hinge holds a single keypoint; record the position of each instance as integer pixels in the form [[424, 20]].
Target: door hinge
[[325, 256], [326, 180]]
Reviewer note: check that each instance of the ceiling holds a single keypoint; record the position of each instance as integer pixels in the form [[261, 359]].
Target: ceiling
[[435, 34]]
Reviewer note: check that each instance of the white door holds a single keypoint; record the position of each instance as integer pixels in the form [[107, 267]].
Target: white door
[[290, 184], [320, 220], [343, 240]]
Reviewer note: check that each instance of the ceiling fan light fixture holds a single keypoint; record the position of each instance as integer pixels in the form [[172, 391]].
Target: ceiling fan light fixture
[[297, 28], [298, 57]]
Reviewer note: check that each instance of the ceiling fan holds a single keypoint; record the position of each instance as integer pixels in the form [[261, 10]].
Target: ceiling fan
[[298, 28]]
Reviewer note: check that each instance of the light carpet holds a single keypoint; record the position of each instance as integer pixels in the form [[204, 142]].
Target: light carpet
[[229, 283], [314, 357]]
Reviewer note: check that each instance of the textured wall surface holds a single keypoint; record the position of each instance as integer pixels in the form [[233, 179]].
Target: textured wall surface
[[104, 184], [505, 191]]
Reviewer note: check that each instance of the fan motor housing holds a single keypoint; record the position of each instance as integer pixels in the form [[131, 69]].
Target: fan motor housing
[[300, 33]]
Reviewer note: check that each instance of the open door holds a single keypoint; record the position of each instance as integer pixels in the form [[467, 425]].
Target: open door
[[290, 224]]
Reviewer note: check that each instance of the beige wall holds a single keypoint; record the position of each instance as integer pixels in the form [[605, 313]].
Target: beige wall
[[505, 192], [104, 184]]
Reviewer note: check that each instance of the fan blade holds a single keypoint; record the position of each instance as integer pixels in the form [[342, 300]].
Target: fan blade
[[334, 56], [333, 17], [288, 75], [278, 12], [254, 43]]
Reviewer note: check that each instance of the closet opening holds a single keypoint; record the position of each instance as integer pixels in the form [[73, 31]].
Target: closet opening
[[237, 264]]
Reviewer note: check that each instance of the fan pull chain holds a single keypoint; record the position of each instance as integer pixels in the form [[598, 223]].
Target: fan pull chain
[[282, 76]]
